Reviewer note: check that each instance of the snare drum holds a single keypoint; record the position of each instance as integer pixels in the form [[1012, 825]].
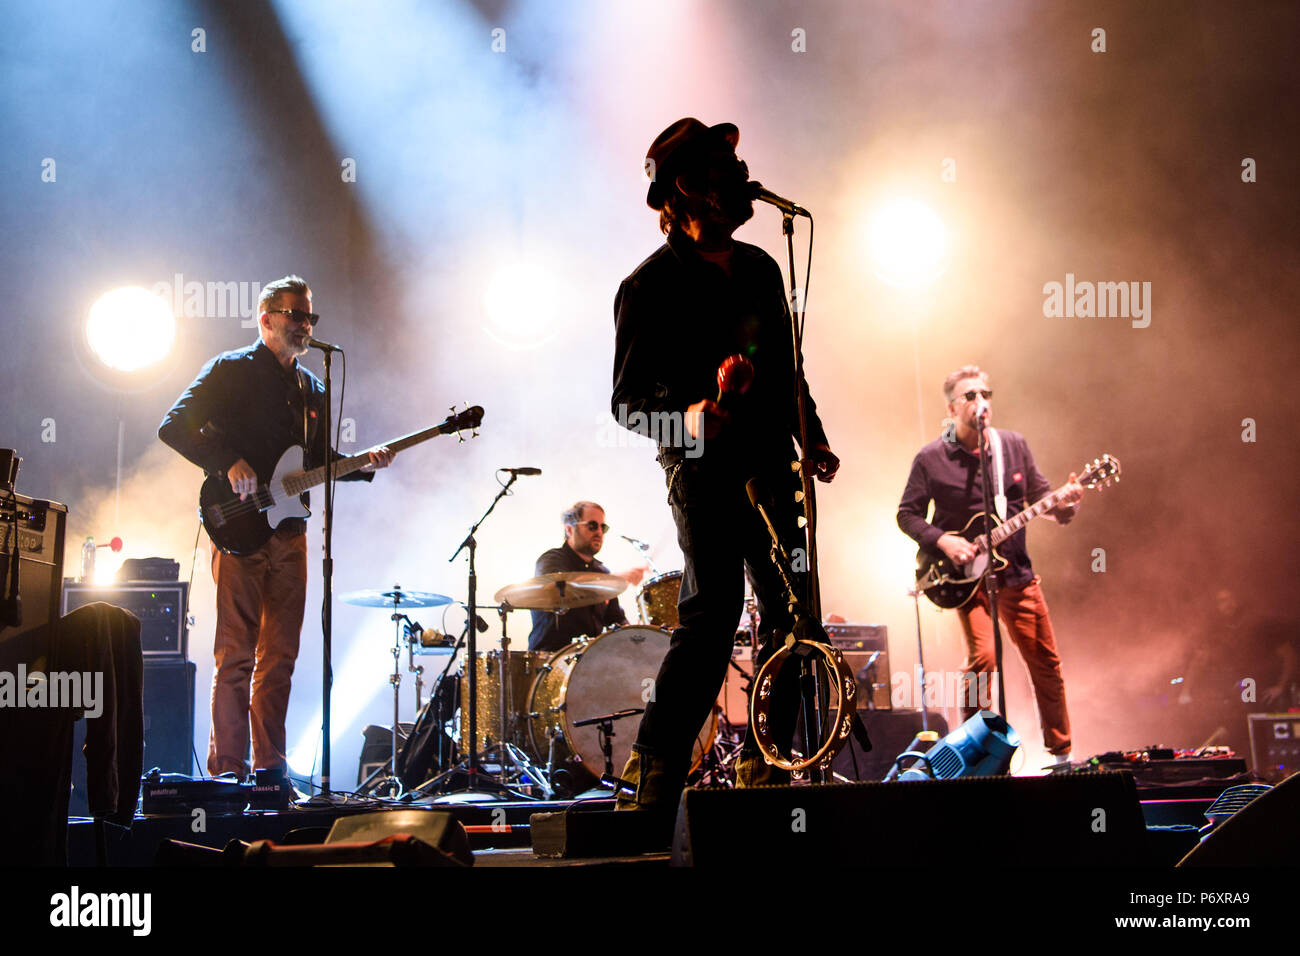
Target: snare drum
[[590, 678], [657, 599], [521, 670]]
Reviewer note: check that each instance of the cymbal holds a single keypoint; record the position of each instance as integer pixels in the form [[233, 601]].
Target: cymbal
[[397, 597], [562, 591]]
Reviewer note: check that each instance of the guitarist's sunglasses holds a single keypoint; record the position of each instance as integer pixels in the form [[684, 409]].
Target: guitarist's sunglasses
[[984, 393], [592, 526], [295, 315]]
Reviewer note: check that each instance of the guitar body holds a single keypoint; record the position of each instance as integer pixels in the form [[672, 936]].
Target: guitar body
[[241, 527], [949, 585]]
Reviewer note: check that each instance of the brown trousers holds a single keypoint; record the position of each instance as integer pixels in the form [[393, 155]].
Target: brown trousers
[[1024, 615], [260, 602]]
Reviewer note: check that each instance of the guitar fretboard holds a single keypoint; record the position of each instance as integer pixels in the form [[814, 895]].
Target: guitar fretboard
[[1016, 522], [297, 484]]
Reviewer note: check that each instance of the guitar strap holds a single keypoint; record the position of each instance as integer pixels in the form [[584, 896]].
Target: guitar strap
[[1000, 498], [302, 394]]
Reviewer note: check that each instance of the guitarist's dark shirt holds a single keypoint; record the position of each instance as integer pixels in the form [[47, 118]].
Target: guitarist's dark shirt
[[947, 474], [551, 633], [677, 316], [245, 404]]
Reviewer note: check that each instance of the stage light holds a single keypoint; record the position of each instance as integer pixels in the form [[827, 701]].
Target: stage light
[[908, 242], [520, 302], [130, 328], [981, 747]]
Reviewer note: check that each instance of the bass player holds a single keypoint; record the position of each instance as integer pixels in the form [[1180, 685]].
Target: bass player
[[245, 408]]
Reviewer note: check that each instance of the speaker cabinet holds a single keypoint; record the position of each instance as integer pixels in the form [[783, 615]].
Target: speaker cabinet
[[40, 527], [168, 727]]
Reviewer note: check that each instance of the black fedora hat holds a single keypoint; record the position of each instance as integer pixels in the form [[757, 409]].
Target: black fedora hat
[[675, 147]]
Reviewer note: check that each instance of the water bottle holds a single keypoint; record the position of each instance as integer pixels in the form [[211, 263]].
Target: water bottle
[[88, 561]]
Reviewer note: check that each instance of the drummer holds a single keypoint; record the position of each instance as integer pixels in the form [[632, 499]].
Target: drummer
[[584, 533]]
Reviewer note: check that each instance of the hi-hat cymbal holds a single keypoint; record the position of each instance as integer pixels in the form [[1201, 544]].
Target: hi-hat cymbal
[[562, 591], [397, 597]]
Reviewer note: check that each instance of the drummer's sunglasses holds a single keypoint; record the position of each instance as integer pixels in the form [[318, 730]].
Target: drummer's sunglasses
[[592, 526]]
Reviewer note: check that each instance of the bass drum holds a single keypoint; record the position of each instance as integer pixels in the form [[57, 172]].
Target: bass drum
[[590, 678]]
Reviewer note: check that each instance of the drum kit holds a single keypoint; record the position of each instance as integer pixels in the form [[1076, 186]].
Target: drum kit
[[550, 723]]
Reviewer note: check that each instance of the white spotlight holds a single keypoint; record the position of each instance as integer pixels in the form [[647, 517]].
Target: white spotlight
[[130, 328], [909, 243], [521, 304]]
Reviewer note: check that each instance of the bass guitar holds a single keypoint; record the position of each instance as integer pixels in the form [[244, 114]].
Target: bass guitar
[[242, 525], [950, 586]]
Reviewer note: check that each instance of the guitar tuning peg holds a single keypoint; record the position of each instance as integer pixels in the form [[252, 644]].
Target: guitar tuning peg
[[803, 522], [798, 496]]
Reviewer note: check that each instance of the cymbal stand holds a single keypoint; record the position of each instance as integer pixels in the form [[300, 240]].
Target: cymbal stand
[[390, 778], [411, 632]]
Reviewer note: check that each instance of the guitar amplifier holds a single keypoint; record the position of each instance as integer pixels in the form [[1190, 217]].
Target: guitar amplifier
[[1274, 745], [866, 648], [40, 527], [161, 606]]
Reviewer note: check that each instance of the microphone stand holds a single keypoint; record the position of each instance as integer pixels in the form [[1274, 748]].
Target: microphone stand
[[990, 577], [475, 784], [327, 597], [811, 682]]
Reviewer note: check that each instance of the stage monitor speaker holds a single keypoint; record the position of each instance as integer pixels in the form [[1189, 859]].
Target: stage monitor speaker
[[40, 527], [1090, 819], [168, 727], [1265, 832]]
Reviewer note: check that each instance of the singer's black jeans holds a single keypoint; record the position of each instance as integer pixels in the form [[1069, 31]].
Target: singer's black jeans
[[722, 538]]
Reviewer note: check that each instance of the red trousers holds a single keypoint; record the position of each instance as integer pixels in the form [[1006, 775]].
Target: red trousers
[[1026, 620], [260, 602]]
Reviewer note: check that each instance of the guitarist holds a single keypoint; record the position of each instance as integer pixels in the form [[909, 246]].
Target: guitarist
[[946, 472], [235, 420]]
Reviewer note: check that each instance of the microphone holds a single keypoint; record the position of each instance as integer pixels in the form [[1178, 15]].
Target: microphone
[[522, 471], [787, 206], [323, 346]]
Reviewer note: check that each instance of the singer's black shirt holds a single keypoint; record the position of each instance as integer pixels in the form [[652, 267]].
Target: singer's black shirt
[[948, 474], [550, 631], [676, 317], [245, 404]]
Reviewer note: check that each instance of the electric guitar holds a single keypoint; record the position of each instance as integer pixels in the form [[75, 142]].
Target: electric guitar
[[241, 526], [950, 586]]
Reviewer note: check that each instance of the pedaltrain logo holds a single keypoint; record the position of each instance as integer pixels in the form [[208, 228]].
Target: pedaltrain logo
[[1086, 300], [75, 909], [210, 300]]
